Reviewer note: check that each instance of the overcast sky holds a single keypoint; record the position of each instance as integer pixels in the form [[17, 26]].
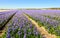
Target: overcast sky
[[29, 3]]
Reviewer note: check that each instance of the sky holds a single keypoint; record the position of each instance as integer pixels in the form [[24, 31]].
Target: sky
[[29, 3]]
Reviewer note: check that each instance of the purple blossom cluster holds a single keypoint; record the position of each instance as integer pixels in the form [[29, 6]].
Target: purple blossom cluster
[[21, 27], [4, 16]]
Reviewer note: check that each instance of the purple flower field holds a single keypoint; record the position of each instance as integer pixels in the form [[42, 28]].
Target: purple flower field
[[17, 25]]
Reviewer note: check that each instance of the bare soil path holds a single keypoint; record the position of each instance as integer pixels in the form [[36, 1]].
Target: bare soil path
[[41, 29], [4, 10]]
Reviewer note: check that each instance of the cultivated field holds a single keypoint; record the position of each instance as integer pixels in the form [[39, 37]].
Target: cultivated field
[[29, 23]]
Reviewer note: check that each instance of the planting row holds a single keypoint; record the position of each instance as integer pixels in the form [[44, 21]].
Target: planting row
[[20, 27], [4, 18], [52, 26]]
